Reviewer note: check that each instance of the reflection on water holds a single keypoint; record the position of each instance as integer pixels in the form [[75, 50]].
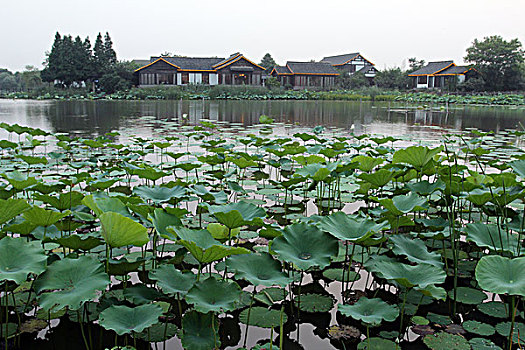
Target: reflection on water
[[92, 118]]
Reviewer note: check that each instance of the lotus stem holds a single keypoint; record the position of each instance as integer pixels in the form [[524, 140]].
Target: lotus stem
[[248, 318], [513, 316]]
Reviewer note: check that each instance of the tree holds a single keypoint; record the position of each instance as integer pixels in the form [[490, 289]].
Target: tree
[[268, 62], [31, 78], [8, 81], [109, 53], [498, 61], [414, 64], [392, 78], [354, 81]]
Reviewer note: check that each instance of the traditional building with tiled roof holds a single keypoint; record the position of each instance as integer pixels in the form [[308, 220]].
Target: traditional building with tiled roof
[[304, 75], [234, 70], [352, 63], [440, 74]]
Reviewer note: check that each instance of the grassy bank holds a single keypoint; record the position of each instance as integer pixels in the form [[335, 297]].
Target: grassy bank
[[262, 93]]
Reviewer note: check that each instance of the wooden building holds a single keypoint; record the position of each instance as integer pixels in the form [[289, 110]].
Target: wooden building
[[441, 74], [352, 63], [306, 75], [234, 70]]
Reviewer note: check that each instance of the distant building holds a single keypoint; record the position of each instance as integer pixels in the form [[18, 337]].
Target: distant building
[[353, 63], [304, 75], [440, 74], [234, 70]]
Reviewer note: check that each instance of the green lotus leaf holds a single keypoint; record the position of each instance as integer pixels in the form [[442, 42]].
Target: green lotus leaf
[[469, 296], [305, 246], [11, 208], [200, 331], [483, 344], [101, 203], [120, 231], [489, 236], [71, 282], [370, 311], [446, 341], [262, 317], [367, 163], [234, 215], [18, 258], [221, 232], [375, 343], [203, 246], [350, 227], [378, 178], [171, 280], [409, 276], [18, 180], [410, 202], [77, 242], [125, 320], [519, 167], [44, 217], [159, 332], [426, 188], [479, 328], [495, 309], [501, 275], [63, 201], [162, 220], [140, 294], [415, 250], [213, 295], [258, 269], [270, 296], [314, 302], [159, 194], [416, 156]]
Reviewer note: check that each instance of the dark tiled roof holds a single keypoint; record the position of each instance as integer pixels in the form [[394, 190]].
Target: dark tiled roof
[[339, 59], [454, 70], [225, 60], [311, 68], [192, 63], [282, 70], [432, 68]]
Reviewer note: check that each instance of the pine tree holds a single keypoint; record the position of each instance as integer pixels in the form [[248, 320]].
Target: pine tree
[[268, 62], [98, 57], [110, 54]]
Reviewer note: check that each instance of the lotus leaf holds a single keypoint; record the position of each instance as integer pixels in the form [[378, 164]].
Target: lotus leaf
[[377, 344], [478, 328], [494, 309], [18, 258], [71, 282], [490, 236], [483, 344], [212, 295], [162, 220], [350, 227], [378, 178], [11, 208], [234, 215], [203, 247], [200, 331], [270, 296], [19, 181], [77, 242], [258, 269], [409, 276], [141, 294], [305, 246], [503, 329], [158, 194], [43, 217], [501, 275], [416, 156], [159, 332], [468, 295], [314, 302], [120, 231], [370, 311], [102, 203], [415, 250], [261, 317], [171, 280], [125, 320], [446, 341]]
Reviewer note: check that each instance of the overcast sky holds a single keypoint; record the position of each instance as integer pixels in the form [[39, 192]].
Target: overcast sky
[[386, 32]]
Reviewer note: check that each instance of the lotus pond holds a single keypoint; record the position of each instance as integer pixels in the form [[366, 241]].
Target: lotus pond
[[213, 237]]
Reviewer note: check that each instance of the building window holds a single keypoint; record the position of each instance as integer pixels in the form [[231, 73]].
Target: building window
[[422, 79], [205, 78], [185, 78]]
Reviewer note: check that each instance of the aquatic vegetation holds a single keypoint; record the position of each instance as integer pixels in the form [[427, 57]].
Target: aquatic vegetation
[[206, 233]]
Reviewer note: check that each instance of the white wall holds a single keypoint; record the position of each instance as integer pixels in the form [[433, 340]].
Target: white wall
[[214, 79]]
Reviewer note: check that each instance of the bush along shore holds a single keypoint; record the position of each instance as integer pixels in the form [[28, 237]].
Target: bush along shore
[[262, 93], [198, 237]]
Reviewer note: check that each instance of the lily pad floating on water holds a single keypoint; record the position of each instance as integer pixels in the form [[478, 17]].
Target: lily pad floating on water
[[212, 295], [446, 341], [18, 258], [262, 317], [479, 328], [370, 311], [483, 344], [494, 309], [270, 296], [375, 343], [305, 246], [469, 296], [314, 302], [71, 282], [125, 320]]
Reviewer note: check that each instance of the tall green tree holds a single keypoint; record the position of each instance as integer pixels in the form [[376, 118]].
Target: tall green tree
[[499, 62], [392, 78], [268, 62]]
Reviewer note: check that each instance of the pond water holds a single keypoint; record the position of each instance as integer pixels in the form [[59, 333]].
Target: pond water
[[141, 118]]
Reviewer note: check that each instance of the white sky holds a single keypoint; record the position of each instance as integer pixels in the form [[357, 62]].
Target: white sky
[[386, 32]]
